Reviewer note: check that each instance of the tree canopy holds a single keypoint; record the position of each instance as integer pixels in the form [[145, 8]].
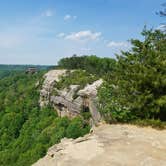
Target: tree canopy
[[26, 130], [91, 64], [137, 88]]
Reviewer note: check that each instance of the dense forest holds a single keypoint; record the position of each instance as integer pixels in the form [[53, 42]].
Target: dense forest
[[26, 130], [134, 91]]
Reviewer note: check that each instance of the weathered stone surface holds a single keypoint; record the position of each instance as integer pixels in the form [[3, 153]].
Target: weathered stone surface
[[110, 145], [91, 89], [72, 91], [63, 102], [70, 100], [94, 111], [49, 80]]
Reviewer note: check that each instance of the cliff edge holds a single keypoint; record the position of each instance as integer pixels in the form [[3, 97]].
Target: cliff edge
[[115, 145]]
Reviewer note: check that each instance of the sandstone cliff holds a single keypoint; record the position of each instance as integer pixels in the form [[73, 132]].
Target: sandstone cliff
[[48, 84], [110, 145], [63, 100]]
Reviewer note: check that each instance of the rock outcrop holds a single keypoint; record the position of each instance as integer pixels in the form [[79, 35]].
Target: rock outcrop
[[49, 80], [110, 145], [71, 100]]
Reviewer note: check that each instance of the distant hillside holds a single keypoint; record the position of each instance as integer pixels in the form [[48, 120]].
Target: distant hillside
[[6, 70], [23, 67]]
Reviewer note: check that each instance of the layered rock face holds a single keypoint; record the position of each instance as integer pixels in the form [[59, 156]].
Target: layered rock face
[[49, 80], [110, 145], [69, 101]]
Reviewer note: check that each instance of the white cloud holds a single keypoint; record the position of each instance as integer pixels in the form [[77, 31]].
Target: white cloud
[[60, 35], [48, 13], [83, 36], [69, 17], [113, 44]]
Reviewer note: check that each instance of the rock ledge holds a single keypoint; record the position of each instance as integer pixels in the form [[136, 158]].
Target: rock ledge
[[115, 145]]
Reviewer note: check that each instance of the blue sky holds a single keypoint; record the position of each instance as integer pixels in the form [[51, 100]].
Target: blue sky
[[43, 31]]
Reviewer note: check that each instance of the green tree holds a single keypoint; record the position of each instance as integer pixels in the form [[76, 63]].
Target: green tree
[[137, 88]]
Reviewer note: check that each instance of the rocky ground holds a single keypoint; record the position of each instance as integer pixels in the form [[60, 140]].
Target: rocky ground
[[110, 145]]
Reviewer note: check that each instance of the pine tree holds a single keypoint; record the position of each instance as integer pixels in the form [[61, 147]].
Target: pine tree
[[140, 77]]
